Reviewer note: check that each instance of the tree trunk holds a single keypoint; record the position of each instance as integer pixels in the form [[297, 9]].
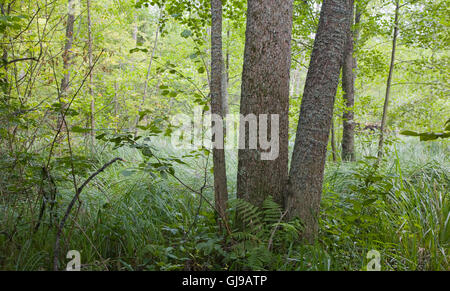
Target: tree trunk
[[296, 82], [67, 55], [388, 84], [116, 108], [308, 159], [224, 94], [333, 139], [216, 88], [226, 82], [91, 89], [147, 77], [265, 90], [348, 86], [4, 82]]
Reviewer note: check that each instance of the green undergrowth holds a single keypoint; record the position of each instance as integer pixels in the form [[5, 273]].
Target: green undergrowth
[[136, 216]]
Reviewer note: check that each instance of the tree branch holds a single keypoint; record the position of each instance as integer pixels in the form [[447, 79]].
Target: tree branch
[[69, 208]]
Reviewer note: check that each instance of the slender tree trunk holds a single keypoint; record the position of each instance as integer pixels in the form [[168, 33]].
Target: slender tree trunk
[[226, 80], [4, 82], [298, 82], [295, 82], [333, 135], [67, 59], [135, 30], [348, 86], [67, 55], [224, 93], [292, 85], [147, 77], [388, 83], [265, 90], [216, 88], [333, 140], [116, 107], [308, 159], [91, 89]]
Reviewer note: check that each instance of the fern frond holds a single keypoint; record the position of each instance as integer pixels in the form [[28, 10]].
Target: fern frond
[[271, 211]]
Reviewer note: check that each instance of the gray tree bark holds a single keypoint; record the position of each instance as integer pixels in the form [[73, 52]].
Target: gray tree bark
[[265, 90], [217, 91], [308, 159], [348, 86], [226, 74], [67, 56]]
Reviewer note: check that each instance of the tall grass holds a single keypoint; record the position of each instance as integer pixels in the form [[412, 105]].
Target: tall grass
[[130, 220], [408, 223]]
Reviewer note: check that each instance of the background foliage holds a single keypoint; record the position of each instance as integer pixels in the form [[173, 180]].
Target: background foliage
[[139, 214]]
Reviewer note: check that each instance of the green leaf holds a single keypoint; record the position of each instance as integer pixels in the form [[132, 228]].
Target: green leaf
[[138, 50], [433, 135], [201, 70], [186, 33], [126, 173], [447, 125], [369, 201], [79, 129], [101, 136], [409, 133]]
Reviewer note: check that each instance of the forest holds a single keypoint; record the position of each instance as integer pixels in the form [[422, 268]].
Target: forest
[[224, 135]]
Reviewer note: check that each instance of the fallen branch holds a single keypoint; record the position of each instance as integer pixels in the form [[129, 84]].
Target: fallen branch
[[269, 245], [69, 209], [200, 193]]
